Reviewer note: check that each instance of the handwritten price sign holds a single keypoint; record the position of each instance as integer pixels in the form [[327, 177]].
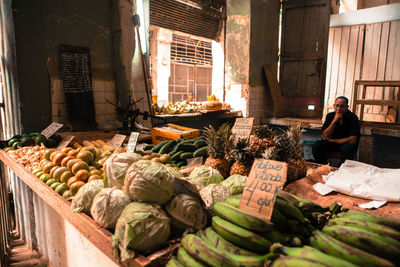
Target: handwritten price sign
[[132, 142], [117, 140], [65, 142], [52, 129], [242, 128], [265, 179]]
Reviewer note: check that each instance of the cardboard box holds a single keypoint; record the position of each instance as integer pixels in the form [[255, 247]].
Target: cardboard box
[[171, 132]]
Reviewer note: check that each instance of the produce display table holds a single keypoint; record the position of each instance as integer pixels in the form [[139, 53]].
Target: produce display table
[[303, 188], [99, 237]]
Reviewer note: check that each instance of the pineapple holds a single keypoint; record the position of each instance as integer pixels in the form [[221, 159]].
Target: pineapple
[[289, 149], [262, 139], [244, 159], [219, 146]]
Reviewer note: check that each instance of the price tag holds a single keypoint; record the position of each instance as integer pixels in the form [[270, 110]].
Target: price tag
[[132, 141], [52, 129], [266, 178], [242, 128], [194, 161], [117, 140], [65, 142]]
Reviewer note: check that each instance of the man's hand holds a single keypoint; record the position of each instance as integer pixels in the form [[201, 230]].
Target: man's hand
[[338, 116]]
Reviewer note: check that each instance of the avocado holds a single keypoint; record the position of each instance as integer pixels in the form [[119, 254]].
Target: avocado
[[40, 139], [17, 136], [51, 142], [27, 141], [12, 141], [56, 137]]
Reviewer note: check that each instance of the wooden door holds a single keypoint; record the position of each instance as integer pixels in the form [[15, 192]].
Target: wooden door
[[305, 30]]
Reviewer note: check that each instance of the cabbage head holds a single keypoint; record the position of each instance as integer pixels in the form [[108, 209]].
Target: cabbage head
[[82, 201], [213, 193], [235, 183], [117, 165], [148, 181], [206, 175], [186, 212], [108, 205], [141, 227]]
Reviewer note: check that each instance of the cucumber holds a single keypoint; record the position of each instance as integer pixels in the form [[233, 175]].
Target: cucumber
[[200, 143], [186, 155], [181, 163], [167, 147], [148, 147], [187, 147], [157, 147], [177, 156], [201, 152]]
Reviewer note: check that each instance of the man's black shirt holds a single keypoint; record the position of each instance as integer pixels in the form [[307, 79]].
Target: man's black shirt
[[350, 126]]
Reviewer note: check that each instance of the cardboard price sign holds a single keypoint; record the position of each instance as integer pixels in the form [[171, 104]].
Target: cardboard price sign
[[242, 128], [65, 142], [266, 178], [117, 140], [51, 129], [132, 142]]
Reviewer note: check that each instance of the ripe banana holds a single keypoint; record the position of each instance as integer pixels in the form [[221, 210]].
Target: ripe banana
[[289, 261], [233, 201], [240, 236], [373, 227], [339, 249], [289, 210], [221, 243], [173, 262], [385, 247], [186, 259], [204, 252], [241, 217], [310, 253], [360, 215]]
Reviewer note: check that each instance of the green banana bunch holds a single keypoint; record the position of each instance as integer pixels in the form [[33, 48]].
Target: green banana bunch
[[240, 236], [233, 201], [360, 215], [221, 243], [288, 209], [173, 262], [373, 227], [339, 249], [206, 253], [186, 259], [310, 253], [291, 261], [385, 247], [241, 217]]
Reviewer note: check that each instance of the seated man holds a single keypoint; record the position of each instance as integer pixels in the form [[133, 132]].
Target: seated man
[[340, 132]]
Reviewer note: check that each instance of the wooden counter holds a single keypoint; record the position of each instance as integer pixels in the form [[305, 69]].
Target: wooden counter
[[98, 236]]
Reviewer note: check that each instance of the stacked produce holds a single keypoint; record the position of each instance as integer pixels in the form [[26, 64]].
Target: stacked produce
[[30, 139]]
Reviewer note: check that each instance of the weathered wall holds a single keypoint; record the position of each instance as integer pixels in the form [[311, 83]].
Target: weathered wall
[[40, 27]]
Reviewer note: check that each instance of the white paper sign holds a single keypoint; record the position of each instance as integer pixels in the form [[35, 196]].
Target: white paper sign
[[132, 141], [52, 129], [322, 189], [65, 142], [372, 204]]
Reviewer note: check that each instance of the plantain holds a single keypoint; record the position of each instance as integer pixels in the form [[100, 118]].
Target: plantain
[[206, 253], [385, 247], [240, 236], [233, 201], [289, 210], [339, 249], [221, 243], [241, 217], [291, 261], [173, 262], [370, 226], [186, 259], [360, 215], [310, 253]]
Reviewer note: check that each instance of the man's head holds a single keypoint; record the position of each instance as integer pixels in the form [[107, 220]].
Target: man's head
[[341, 104]]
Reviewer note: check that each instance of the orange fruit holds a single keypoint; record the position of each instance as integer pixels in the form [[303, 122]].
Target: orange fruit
[[71, 162], [86, 156], [96, 172], [65, 176], [71, 181], [79, 166], [65, 160], [53, 170], [82, 175], [58, 158], [66, 149], [94, 177], [73, 153], [48, 153], [47, 166], [76, 186], [57, 173]]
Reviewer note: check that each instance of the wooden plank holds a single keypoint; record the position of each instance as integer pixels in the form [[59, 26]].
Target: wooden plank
[[389, 91], [359, 57], [329, 70], [378, 102], [351, 64], [335, 63], [98, 236], [382, 58], [275, 90], [343, 60], [378, 83]]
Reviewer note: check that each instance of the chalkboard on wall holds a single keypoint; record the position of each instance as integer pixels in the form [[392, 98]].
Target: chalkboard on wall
[[77, 83]]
